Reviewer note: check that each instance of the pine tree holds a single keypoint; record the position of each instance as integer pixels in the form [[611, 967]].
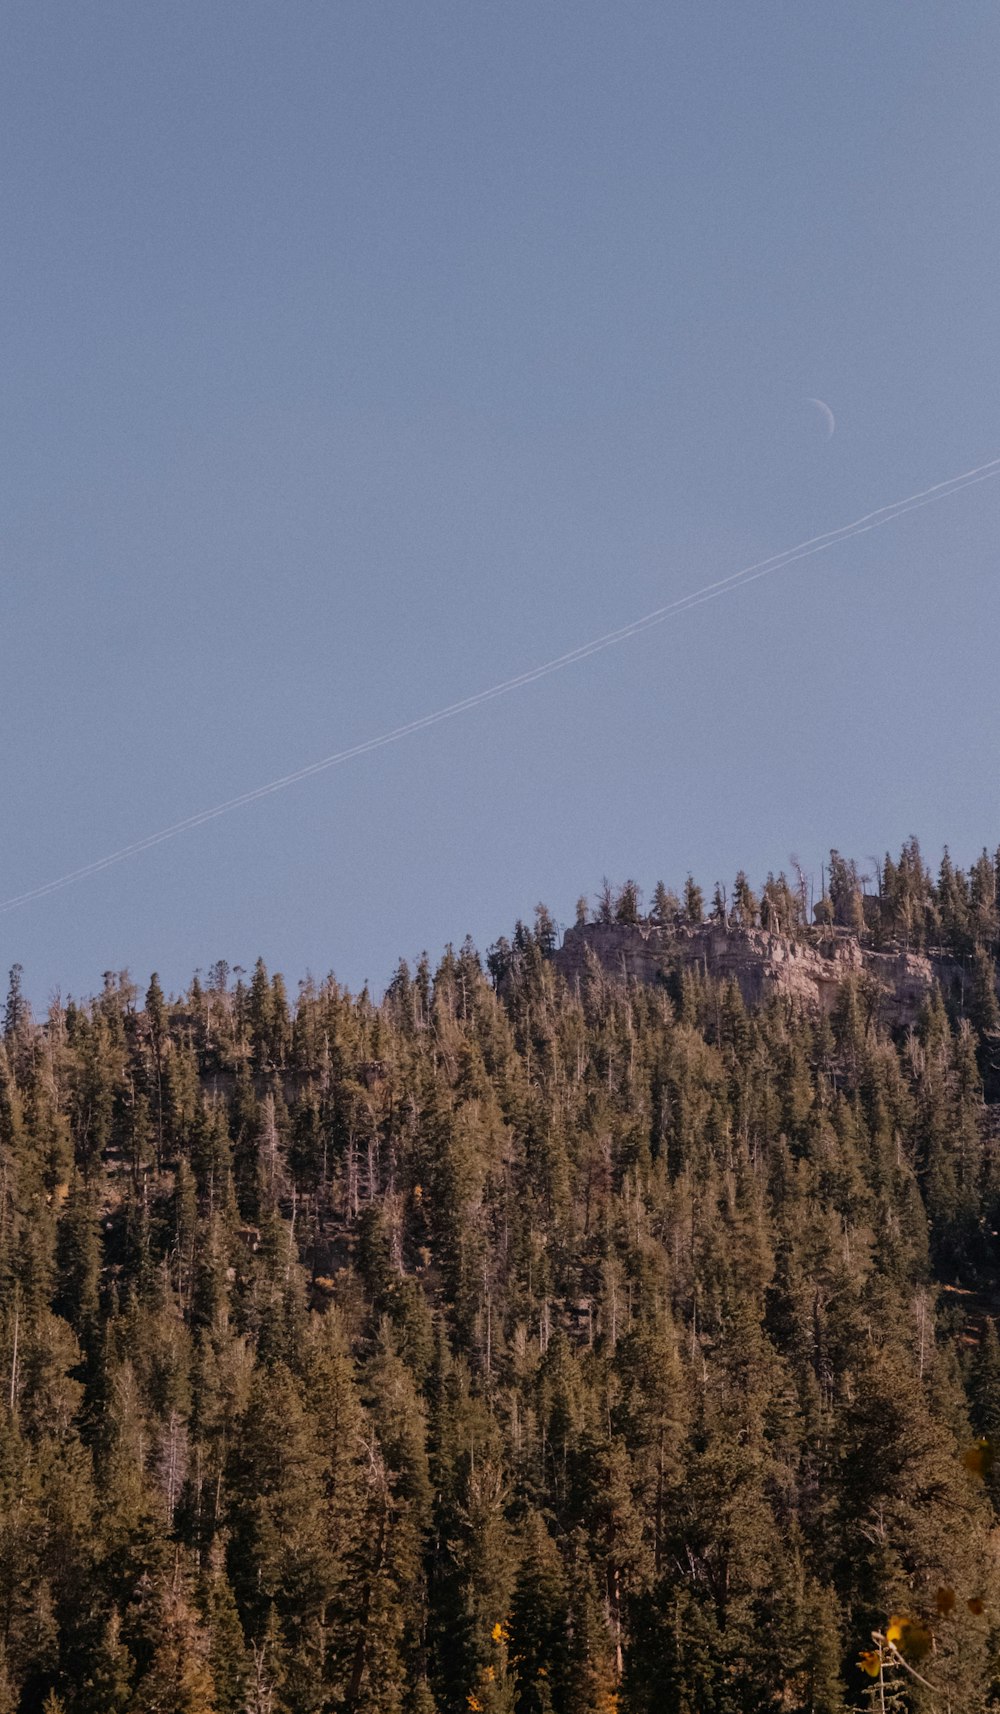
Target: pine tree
[[666, 906], [78, 1262], [106, 1687], [390, 1618], [628, 903], [227, 1657], [745, 904], [179, 1678], [984, 1402], [694, 903], [539, 1626], [984, 1007], [590, 1671], [17, 1012], [845, 893], [279, 1554]]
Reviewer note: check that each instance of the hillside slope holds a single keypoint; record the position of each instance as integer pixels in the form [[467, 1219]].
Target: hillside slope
[[526, 1343]]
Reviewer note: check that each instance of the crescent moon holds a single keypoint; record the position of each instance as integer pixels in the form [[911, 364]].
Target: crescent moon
[[831, 421]]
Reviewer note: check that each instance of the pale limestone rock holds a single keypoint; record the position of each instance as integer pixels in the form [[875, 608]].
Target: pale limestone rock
[[762, 964]]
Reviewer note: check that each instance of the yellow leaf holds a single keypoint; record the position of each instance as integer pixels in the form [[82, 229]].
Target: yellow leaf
[[978, 1459], [870, 1662], [910, 1636]]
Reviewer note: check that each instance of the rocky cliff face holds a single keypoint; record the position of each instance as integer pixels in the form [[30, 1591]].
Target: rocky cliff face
[[760, 963]]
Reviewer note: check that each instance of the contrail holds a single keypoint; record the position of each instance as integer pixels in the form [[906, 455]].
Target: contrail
[[697, 597]]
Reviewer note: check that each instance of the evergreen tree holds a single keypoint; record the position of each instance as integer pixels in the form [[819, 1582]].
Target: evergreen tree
[[179, 1678], [666, 906], [509, 1345], [694, 903], [984, 1007], [745, 904], [78, 1262], [225, 1648], [107, 1685]]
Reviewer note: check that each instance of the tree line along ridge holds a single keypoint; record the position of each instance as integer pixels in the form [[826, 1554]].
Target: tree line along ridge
[[508, 1345]]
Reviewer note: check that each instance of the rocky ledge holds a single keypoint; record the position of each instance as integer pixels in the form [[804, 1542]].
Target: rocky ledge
[[762, 964]]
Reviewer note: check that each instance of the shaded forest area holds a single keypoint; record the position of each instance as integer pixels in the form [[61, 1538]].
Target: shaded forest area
[[502, 1349]]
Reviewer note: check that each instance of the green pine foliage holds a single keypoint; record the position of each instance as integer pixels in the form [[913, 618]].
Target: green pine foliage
[[506, 1348]]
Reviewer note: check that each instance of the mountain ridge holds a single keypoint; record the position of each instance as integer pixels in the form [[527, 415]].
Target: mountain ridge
[[765, 964]]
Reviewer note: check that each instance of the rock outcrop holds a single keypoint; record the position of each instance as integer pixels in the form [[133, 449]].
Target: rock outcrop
[[762, 964]]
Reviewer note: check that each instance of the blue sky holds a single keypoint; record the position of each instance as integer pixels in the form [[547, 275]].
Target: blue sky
[[358, 355]]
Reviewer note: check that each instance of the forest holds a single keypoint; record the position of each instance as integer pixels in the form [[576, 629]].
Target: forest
[[502, 1347]]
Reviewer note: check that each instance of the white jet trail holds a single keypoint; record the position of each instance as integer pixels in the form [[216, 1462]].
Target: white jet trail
[[708, 592]]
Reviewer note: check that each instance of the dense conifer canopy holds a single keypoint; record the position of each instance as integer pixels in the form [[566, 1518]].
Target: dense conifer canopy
[[504, 1348]]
